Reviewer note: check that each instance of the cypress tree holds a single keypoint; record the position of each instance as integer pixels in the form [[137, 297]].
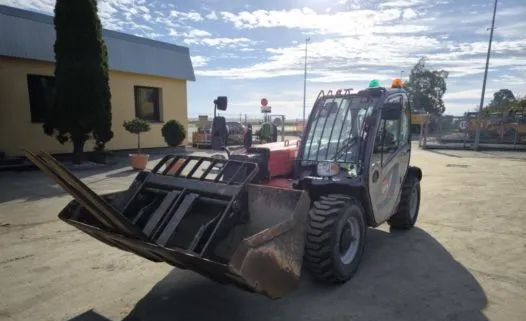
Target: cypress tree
[[82, 107]]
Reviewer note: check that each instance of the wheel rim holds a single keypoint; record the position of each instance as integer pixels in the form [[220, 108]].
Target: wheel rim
[[413, 202], [349, 240]]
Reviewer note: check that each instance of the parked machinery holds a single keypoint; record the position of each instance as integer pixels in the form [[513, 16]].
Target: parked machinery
[[220, 133]]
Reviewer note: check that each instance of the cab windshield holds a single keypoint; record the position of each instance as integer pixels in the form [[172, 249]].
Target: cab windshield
[[336, 128]]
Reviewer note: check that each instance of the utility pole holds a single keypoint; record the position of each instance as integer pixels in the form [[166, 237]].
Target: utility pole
[[401, 74], [477, 136], [305, 82]]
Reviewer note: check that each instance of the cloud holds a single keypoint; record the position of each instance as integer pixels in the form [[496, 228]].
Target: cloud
[[220, 42], [382, 56], [400, 3], [212, 16], [191, 15], [199, 61], [339, 59], [409, 14], [469, 94], [197, 33], [351, 4], [464, 58], [354, 22]]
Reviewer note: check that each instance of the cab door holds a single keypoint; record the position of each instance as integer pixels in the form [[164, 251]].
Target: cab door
[[389, 160], [405, 137]]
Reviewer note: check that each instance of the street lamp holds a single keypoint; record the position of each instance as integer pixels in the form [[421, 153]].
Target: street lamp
[[305, 80], [477, 136]]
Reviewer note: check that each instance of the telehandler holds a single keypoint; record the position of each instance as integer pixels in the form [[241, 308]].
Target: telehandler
[[254, 218]]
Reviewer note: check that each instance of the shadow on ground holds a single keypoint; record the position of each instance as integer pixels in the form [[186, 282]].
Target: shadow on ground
[[434, 151], [89, 316], [404, 276]]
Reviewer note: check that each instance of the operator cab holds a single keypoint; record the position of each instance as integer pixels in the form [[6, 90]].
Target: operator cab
[[358, 143]]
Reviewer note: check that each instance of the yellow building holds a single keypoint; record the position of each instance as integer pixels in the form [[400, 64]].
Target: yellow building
[[147, 80]]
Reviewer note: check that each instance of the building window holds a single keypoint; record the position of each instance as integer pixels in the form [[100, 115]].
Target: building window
[[41, 96], [147, 103]]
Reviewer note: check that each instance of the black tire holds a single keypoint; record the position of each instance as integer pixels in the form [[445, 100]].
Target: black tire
[[406, 215], [331, 222]]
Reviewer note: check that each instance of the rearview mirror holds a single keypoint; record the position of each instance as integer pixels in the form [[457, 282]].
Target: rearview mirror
[[392, 111], [221, 102]]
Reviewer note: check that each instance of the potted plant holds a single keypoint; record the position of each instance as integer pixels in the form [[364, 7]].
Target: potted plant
[[173, 133], [138, 126]]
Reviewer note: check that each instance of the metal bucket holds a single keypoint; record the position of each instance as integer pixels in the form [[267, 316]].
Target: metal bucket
[[217, 224], [267, 250]]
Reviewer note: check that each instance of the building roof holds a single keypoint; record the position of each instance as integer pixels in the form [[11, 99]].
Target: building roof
[[31, 35]]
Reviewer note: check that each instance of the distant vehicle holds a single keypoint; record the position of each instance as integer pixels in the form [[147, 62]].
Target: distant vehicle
[[418, 118], [202, 138], [506, 125], [497, 125], [236, 132]]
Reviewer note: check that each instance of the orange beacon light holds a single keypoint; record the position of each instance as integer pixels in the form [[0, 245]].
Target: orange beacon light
[[397, 83]]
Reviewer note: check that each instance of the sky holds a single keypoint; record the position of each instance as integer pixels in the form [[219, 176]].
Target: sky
[[248, 50]]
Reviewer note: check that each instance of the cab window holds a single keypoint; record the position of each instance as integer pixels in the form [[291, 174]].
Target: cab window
[[405, 125], [388, 137]]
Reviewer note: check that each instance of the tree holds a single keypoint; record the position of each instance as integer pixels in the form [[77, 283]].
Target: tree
[[82, 100], [519, 105], [426, 87], [502, 100], [137, 126]]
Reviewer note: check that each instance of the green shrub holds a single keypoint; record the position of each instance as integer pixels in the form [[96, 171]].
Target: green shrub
[[137, 126], [173, 133]]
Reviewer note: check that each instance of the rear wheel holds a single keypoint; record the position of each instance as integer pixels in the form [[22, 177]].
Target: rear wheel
[[407, 213], [335, 238]]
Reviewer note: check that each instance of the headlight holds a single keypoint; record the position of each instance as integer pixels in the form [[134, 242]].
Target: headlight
[[328, 169]]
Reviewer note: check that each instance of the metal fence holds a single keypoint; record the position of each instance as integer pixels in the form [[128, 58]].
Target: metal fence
[[497, 131]]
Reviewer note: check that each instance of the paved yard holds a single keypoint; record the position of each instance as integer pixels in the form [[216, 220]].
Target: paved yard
[[465, 260]]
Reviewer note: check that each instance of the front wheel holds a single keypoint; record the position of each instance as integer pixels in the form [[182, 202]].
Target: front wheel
[[335, 238]]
